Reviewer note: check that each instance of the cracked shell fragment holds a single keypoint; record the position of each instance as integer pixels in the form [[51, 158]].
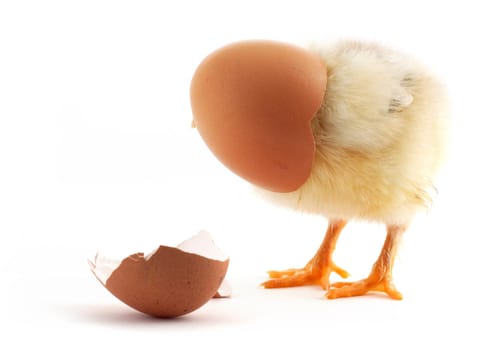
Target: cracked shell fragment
[[170, 281]]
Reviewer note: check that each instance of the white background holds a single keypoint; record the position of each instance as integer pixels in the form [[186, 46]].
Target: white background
[[96, 152]]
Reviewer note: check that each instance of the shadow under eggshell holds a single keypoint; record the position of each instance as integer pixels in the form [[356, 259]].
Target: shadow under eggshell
[[168, 283]]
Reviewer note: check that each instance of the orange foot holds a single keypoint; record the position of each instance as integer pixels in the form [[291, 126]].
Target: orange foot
[[370, 284], [380, 278], [317, 270], [313, 273]]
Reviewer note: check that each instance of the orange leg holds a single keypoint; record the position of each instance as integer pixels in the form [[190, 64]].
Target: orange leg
[[380, 278], [317, 270]]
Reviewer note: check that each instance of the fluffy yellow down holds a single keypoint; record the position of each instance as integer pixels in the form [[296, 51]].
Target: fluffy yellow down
[[380, 137]]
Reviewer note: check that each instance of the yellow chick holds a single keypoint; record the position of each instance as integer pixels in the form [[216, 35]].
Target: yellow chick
[[379, 139]]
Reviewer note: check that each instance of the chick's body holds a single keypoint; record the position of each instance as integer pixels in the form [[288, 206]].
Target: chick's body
[[377, 141], [380, 137]]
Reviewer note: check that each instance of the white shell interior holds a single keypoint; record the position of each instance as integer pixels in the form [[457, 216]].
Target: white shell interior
[[200, 244], [102, 267]]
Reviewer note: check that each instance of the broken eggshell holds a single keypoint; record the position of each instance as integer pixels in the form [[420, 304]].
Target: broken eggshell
[[168, 282]]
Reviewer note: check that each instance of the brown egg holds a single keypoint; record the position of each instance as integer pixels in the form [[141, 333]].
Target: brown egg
[[169, 282], [252, 103]]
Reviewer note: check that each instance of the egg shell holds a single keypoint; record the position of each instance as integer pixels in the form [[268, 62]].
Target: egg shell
[[252, 104], [169, 283]]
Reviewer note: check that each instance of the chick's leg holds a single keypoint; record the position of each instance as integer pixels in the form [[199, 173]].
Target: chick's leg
[[380, 278], [317, 270]]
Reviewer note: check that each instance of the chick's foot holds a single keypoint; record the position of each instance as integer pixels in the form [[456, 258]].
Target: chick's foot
[[380, 278], [371, 284], [312, 274], [317, 270]]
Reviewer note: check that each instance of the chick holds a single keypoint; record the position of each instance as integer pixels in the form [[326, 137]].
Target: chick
[[379, 137]]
